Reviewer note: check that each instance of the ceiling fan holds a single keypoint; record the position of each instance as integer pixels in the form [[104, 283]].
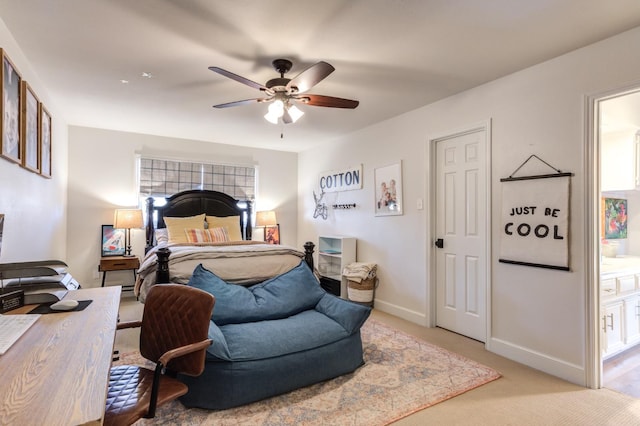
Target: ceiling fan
[[283, 92]]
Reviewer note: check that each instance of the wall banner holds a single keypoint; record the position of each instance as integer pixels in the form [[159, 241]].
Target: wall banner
[[535, 221], [341, 180]]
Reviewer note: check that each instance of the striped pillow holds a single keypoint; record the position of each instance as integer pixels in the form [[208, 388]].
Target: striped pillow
[[211, 235]]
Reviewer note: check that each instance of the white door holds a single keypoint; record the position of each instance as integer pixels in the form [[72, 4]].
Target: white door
[[461, 230]]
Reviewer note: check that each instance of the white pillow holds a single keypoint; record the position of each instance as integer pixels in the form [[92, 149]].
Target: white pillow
[[162, 236]]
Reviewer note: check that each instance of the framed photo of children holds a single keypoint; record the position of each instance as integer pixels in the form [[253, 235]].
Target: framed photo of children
[[30, 129], [45, 142], [112, 241], [10, 110], [388, 190]]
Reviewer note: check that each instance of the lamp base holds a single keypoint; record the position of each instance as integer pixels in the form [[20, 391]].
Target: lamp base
[[127, 251]]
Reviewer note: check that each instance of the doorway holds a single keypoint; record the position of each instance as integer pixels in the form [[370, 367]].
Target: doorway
[[615, 249], [461, 195]]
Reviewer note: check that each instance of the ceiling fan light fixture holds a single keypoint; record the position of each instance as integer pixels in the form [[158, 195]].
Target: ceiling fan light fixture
[[271, 118], [295, 113], [277, 108], [275, 111]]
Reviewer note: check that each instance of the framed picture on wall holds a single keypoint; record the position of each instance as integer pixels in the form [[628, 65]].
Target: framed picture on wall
[[614, 218], [112, 241], [45, 142], [388, 190], [30, 129], [10, 109]]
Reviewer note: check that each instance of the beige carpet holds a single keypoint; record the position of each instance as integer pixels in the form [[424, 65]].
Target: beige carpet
[[401, 375]]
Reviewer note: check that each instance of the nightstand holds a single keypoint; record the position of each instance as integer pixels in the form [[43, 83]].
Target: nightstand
[[119, 263]]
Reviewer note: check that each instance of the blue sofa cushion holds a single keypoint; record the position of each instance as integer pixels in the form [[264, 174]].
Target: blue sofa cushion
[[218, 347], [269, 339], [287, 294], [349, 315]]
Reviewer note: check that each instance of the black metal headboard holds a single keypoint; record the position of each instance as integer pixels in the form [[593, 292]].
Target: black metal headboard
[[194, 202]]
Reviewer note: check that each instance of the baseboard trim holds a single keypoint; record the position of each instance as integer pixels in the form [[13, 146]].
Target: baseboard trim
[[398, 311], [556, 367]]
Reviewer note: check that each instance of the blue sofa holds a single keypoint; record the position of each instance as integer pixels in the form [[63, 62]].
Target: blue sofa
[[272, 338]]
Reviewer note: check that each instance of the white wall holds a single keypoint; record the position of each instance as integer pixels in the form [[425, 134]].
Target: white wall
[[537, 316], [34, 207], [102, 177]]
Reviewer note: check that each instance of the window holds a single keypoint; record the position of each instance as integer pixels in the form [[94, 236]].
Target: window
[[162, 178]]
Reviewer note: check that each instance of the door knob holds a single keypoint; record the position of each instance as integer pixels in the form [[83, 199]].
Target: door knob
[[439, 243]]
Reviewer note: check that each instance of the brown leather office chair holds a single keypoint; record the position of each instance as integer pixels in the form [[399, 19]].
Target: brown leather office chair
[[174, 335]]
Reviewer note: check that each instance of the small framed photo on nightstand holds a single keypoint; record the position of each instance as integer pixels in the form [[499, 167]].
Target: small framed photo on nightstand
[[112, 241], [272, 234]]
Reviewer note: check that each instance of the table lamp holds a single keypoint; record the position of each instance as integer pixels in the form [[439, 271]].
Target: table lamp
[[127, 219], [267, 220]]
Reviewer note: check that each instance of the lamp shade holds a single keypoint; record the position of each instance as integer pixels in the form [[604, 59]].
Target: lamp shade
[[266, 218], [128, 218], [295, 113]]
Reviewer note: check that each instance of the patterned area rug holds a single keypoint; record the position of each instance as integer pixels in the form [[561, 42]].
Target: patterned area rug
[[401, 375]]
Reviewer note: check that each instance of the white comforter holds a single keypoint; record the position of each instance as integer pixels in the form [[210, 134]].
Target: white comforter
[[244, 263]]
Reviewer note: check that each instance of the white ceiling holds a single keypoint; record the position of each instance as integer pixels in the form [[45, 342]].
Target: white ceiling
[[391, 55]]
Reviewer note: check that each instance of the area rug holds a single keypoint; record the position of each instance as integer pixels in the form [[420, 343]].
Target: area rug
[[401, 375]]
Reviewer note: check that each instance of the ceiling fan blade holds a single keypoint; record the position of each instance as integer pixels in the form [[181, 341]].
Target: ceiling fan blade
[[328, 101], [239, 103], [310, 77], [238, 78]]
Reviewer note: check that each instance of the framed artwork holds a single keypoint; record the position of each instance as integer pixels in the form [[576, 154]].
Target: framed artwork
[[388, 190], [30, 129], [45, 142], [10, 111], [112, 241], [272, 234], [614, 216]]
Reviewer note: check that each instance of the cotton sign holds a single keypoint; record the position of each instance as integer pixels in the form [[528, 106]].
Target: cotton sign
[[341, 180]]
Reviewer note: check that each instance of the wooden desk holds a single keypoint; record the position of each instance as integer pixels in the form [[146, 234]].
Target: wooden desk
[[57, 373]]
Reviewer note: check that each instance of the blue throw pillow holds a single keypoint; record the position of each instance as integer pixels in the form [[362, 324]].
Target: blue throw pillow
[[280, 297]]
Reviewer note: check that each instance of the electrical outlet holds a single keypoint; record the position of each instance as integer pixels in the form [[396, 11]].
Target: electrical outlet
[[96, 272], [420, 204]]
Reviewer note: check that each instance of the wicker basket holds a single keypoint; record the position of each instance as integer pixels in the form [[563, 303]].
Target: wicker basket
[[362, 292]]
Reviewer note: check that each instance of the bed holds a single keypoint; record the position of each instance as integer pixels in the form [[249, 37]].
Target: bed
[[173, 260]]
